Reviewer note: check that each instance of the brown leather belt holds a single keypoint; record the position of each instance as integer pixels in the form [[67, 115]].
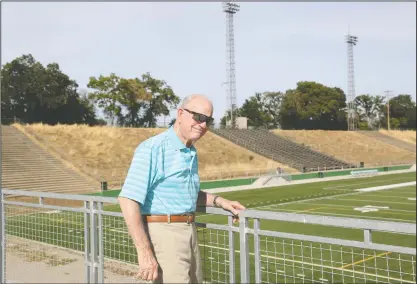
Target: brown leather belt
[[169, 218]]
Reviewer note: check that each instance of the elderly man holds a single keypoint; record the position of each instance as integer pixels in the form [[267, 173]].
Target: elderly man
[[160, 195]]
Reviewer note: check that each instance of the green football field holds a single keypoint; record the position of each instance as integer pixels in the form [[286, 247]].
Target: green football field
[[281, 260]]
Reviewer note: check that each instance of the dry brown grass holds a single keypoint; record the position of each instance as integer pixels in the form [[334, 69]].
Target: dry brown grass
[[349, 146], [106, 152], [404, 135]]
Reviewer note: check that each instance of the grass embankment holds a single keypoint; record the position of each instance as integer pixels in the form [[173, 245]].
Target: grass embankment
[[350, 146], [106, 152], [404, 135]]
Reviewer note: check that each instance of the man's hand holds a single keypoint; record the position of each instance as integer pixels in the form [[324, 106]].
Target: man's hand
[[148, 266], [233, 206]]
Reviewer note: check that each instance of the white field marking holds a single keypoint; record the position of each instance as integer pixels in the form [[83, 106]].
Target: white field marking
[[377, 201], [346, 215], [412, 198], [384, 187], [51, 212], [319, 198], [314, 264], [362, 183], [346, 206], [401, 197]]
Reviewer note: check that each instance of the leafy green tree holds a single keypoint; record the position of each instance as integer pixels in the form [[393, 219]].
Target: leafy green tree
[[163, 99], [402, 112], [106, 95], [253, 108], [313, 106], [133, 102], [34, 93], [370, 109]]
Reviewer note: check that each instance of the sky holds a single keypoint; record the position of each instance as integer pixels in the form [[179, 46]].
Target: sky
[[276, 44]]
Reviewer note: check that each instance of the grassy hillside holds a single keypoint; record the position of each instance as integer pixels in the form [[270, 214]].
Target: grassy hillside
[[349, 146], [106, 152], [404, 135]]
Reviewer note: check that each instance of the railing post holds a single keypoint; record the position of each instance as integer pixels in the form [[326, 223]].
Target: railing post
[[232, 268], [2, 238], [244, 251], [87, 256], [367, 236], [100, 243], [257, 247], [93, 244]]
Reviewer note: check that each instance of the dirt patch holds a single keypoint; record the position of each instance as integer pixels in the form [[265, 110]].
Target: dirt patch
[[33, 262]]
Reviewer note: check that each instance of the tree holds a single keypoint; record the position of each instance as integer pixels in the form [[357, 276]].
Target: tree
[[370, 109], [253, 109], [106, 95], [402, 112], [163, 99], [313, 106], [133, 102], [34, 93], [272, 104]]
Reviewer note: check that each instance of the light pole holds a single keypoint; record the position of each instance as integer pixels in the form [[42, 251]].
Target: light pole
[[388, 95]]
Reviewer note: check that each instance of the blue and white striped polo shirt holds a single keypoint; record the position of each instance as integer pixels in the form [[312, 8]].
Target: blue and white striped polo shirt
[[163, 176]]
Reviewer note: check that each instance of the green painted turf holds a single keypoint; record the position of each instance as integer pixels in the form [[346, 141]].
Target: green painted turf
[[281, 259]]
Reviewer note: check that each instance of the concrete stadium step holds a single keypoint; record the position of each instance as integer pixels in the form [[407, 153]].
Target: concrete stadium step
[[281, 149], [26, 165], [389, 140]]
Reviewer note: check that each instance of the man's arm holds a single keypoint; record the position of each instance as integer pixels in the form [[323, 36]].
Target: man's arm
[[207, 199], [147, 263], [134, 222]]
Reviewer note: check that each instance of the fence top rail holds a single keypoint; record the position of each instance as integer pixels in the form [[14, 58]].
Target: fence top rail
[[352, 223], [63, 196]]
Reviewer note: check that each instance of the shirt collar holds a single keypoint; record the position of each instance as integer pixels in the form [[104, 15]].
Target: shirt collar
[[177, 144]]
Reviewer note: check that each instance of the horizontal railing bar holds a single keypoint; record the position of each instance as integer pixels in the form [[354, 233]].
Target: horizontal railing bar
[[63, 196], [341, 242], [213, 210], [216, 227], [109, 213], [44, 206], [395, 227]]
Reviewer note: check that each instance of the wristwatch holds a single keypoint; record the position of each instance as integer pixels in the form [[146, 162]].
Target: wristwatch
[[214, 201]]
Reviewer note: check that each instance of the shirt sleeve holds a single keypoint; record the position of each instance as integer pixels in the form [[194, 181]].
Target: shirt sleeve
[[141, 174]]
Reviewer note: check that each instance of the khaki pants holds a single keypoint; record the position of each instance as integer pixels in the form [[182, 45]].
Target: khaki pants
[[177, 252]]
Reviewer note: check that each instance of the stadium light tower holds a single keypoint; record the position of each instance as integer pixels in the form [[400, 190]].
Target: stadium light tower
[[351, 41], [230, 9]]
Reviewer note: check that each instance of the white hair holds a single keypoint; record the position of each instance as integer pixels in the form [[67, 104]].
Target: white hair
[[188, 99]]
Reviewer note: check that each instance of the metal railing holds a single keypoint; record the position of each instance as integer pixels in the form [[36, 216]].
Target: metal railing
[[51, 231]]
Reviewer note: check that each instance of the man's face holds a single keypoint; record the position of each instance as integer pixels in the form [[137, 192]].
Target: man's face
[[190, 118]]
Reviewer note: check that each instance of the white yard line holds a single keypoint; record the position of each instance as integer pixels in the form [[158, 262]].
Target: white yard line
[[384, 187], [345, 206], [364, 183], [345, 215], [376, 201]]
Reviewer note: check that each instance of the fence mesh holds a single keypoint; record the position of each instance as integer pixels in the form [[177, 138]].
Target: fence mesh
[[43, 245], [293, 261], [48, 246], [214, 248]]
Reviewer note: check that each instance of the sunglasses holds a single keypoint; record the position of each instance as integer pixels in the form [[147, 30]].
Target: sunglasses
[[200, 117]]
